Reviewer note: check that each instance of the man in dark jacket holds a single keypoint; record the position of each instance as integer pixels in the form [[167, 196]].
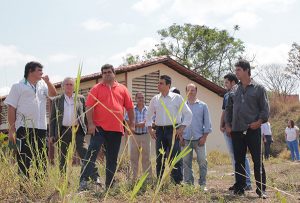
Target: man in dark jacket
[[63, 117]]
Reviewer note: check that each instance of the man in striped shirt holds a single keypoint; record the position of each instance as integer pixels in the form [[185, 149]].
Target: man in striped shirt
[[139, 142]]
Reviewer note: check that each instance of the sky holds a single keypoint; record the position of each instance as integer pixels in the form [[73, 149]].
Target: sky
[[61, 34]]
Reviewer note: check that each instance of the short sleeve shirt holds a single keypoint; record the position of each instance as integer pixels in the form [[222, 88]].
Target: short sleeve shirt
[[291, 133], [108, 112], [30, 103]]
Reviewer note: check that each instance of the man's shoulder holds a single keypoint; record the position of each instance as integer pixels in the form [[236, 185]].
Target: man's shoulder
[[56, 98]]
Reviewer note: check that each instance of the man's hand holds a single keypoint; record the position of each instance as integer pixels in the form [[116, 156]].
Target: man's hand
[[92, 129], [179, 131], [51, 140], [11, 135], [152, 133], [222, 129], [202, 140], [255, 125], [132, 127], [228, 131], [46, 78], [181, 142]]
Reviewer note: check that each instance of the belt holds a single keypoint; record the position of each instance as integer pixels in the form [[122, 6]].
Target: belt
[[140, 133], [65, 127], [167, 126]]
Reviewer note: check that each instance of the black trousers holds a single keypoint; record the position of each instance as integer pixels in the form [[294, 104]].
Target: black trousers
[[112, 142], [164, 141], [66, 139], [252, 141], [33, 149], [267, 144]]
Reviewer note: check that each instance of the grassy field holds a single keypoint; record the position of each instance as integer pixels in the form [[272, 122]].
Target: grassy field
[[283, 179]]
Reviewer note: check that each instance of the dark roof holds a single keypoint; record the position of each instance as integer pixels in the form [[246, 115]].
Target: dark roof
[[168, 61]]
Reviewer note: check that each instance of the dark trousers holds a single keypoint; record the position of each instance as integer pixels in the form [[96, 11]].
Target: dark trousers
[[33, 149], [66, 139], [164, 140], [267, 143], [252, 140], [112, 141]]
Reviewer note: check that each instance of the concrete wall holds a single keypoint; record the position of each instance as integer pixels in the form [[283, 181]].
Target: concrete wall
[[215, 141]]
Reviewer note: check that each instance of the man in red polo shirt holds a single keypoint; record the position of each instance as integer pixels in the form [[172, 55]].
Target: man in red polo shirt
[[105, 112]]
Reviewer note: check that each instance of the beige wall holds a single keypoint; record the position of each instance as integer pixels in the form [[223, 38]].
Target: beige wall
[[215, 140]]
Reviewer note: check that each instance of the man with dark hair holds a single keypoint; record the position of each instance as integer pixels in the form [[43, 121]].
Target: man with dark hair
[[246, 110], [27, 116], [230, 80], [164, 125], [105, 112]]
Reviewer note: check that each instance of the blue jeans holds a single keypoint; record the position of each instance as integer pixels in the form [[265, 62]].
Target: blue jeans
[[293, 146], [188, 176], [164, 140], [228, 141], [112, 141]]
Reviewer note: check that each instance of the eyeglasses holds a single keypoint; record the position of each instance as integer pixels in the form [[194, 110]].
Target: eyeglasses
[[107, 72]]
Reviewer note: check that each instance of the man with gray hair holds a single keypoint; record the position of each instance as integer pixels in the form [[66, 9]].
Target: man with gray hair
[[63, 117]]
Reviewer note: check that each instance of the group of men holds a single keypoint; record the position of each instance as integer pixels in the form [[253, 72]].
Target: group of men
[[170, 120]]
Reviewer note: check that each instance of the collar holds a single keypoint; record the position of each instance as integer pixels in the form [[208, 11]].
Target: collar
[[66, 96], [114, 85], [197, 101], [136, 108], [170, 94]]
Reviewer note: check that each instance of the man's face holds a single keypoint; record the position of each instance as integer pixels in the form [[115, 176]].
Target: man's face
[[228, 85], [162, 86], [240, 73], [37, 73], [108, 75], [191, 90], [69, 86], [140, 99]]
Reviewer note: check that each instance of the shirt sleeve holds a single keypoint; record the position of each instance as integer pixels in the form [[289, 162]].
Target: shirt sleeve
[[128, 104], [263, 105], [90, 100], [150, 112], [186, 113], [13, 96], [229, 110], [206, 120]]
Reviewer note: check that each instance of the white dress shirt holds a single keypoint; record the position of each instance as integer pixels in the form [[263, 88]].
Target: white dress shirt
[[69, 117], [266, 129], [173, 102], [30, 103]]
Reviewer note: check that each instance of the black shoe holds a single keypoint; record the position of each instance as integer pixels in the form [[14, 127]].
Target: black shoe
[[232, 188], [248, 188], [239, 192], [261, 194]]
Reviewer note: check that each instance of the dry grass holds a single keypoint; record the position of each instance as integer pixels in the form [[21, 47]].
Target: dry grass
[[282, 174]]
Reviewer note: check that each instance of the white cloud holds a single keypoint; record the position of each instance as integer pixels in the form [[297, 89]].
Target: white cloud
[[141, 46], [246, 19], [10, 56], [60, 57], [203, 11], [148, 6], [269, 55], [4, 91], [95, 24]]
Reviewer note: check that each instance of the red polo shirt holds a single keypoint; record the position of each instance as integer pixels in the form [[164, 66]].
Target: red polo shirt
[[115, 99]]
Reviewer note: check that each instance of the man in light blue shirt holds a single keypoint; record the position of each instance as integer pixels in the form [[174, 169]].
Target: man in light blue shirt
[[194, 137]]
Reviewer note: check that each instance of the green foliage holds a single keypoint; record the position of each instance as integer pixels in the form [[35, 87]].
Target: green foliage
[[208, 51], [293, 66]]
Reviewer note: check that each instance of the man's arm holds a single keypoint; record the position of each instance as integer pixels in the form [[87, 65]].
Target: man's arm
[[222, 122], [11, 117], [150, 113], [51, 89], [207, 125], [228, 114], [91, 125], [130, 113]]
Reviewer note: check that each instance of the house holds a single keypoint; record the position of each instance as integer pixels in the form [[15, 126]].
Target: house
[[144, 77]]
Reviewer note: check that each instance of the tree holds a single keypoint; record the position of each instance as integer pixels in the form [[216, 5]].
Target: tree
[[209, 52], [293, 66], [276, 80]]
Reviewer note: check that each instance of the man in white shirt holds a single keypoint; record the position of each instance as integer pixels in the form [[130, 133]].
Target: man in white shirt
[[63, 117], [27, 116], [164, 120], [266, 134]]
